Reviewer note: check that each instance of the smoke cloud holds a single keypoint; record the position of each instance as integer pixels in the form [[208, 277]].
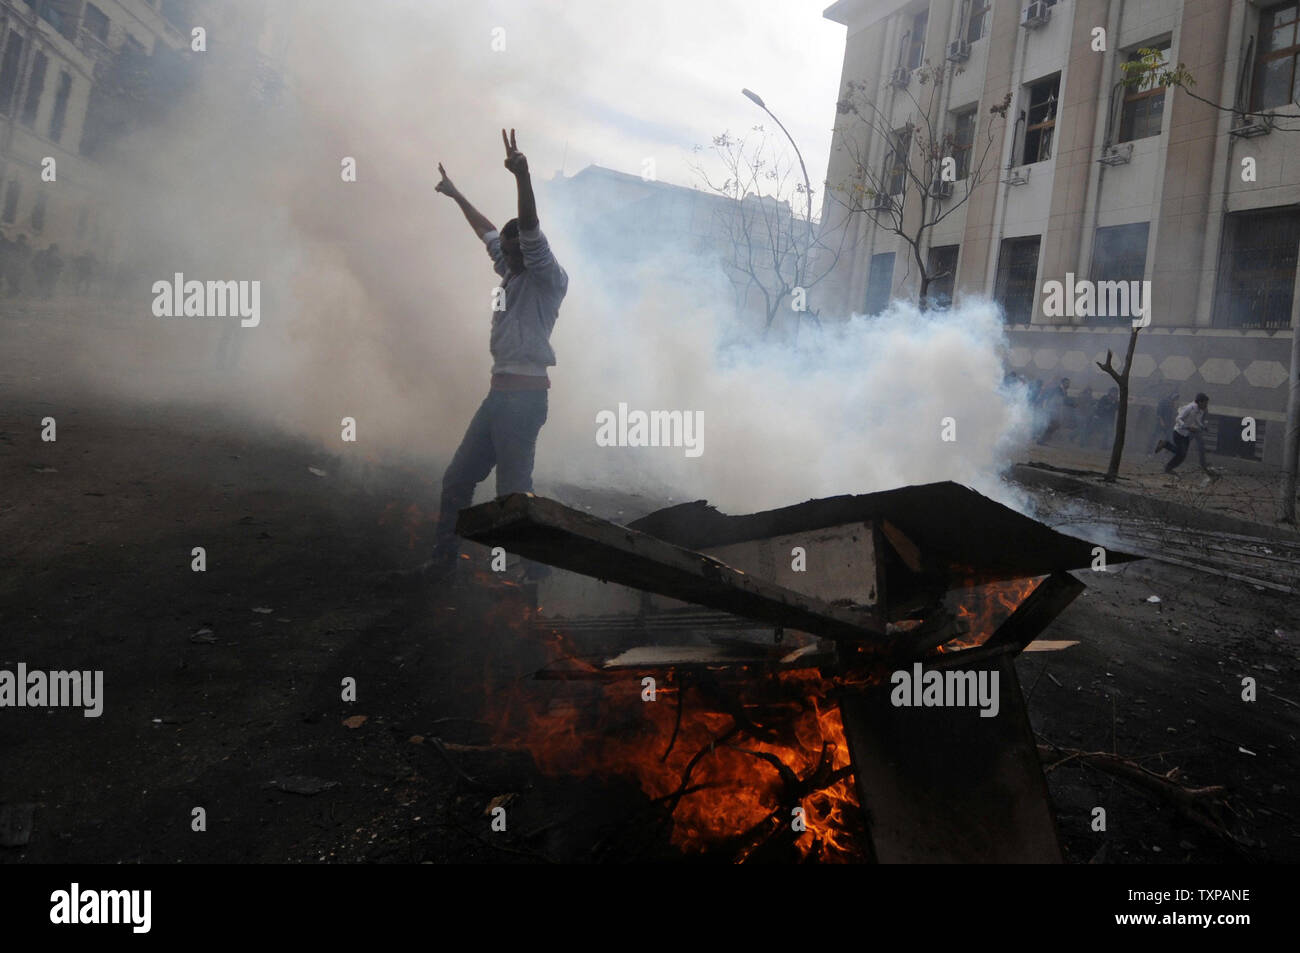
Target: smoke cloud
[[376, 296]]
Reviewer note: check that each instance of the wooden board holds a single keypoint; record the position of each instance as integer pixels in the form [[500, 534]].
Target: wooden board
[[549, 532], [944, 785]]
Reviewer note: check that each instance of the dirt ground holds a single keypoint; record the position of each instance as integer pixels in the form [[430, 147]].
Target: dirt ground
[[213, 702]]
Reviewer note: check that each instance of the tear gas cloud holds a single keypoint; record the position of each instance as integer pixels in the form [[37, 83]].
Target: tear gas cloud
[[376, 297]]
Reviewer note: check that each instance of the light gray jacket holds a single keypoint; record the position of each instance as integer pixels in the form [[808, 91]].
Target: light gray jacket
[[521, 333]]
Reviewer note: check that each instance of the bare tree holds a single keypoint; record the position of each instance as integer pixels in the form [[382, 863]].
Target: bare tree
[[1120, 377], [774, 246], [927, 171]]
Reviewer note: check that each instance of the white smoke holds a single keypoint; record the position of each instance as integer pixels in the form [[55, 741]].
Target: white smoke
[[376, 301], [860, 405]]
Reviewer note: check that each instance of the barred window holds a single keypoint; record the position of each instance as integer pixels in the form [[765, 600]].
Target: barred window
[[1017, 273], [1257, 269]]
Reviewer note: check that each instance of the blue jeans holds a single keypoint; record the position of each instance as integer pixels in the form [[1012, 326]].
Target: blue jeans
[[502, 434], [1180, 445]]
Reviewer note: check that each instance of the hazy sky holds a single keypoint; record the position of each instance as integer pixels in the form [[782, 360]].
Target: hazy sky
[[618, 82]]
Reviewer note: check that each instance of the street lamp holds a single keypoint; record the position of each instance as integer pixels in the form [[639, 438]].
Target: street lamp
[[757, 100]]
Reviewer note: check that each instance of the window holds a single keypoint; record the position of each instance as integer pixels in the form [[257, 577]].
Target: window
[[11, 202], [942, 268], [1257, 269], [977, 20], [1223, 433], [880, 282], [1275, 72], [914, 41], [1143, 108], [35, 87], [60, 114], [1040, 121], [47, 11], [894, 175], [38, 215], [9, 69], [963, 139], [1119, 253], [96, 23], [1017, 274]]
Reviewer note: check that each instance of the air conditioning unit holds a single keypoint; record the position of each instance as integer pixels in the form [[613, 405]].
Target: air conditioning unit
[[880, 202], [900, 78], [941, 188], [1035, 15], [958, 51], [1248, 128], [1117, 154], [1017, 176]]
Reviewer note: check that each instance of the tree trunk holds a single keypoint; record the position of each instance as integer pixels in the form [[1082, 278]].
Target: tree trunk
[[1121, 409]]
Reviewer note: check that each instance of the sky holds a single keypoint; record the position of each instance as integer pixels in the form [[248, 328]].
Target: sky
[[595, 81]]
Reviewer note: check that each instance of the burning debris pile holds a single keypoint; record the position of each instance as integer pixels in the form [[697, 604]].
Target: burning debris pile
[[746, 672]]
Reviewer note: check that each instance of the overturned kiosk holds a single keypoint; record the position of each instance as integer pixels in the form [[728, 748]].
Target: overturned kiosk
[[904, 610]]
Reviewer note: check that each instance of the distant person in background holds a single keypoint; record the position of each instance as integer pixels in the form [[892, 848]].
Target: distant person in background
[[1083, 416], [47, 265], [1189, 425], [1102, 420], [83, 270], [1055, 402], [1166, 411], [20, 255]]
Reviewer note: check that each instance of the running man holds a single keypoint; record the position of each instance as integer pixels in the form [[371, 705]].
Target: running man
[[1189, 425]]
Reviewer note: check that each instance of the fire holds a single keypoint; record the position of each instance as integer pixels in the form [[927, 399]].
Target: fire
[[724, 759], [985, 607], [726, 772]]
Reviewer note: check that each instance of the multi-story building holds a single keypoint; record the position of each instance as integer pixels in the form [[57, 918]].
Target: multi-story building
[[77, 75], [54, 58], [1106, 182]]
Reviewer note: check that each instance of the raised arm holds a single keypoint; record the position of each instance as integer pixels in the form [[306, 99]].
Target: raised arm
[[518, 165], [477, 220]]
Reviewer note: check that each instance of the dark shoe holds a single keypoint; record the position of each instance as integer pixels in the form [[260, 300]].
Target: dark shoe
[[1160, 445]]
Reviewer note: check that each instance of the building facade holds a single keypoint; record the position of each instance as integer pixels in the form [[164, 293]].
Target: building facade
[[54, 57], [77, 75], [1105, 182]]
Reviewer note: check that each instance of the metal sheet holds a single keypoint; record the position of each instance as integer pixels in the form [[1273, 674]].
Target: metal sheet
[[944, 785], [958, 532]]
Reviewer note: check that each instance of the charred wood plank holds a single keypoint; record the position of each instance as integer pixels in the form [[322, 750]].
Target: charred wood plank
[[1036, 611], [549, 532]]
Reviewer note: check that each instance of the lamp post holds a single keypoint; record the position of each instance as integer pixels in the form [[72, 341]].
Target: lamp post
[[807, 185]]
